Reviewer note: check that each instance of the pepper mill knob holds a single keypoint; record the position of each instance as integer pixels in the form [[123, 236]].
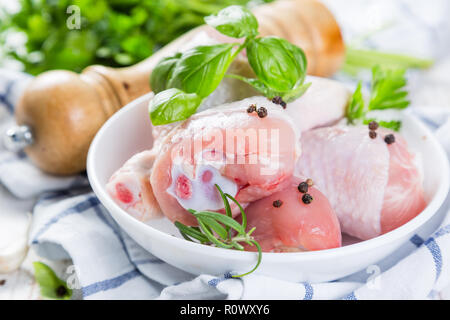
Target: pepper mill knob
[[18, 137]]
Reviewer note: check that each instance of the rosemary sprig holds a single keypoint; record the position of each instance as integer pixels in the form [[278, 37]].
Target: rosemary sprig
[[221, 230]]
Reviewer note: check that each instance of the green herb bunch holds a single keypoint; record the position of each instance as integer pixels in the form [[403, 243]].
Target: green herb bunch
[[113, 32], [183, 80], [387, 92], [221, 230]]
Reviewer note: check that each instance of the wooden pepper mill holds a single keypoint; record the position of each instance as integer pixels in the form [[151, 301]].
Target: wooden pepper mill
[[60, 112]]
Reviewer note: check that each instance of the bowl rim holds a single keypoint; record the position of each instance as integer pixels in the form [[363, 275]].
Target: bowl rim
[[432, 207]]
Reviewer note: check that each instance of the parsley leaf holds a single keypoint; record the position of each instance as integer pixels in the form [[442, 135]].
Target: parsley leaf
[[387, 92], [387, 89], [355, 108], [51, 286], [394, 125]]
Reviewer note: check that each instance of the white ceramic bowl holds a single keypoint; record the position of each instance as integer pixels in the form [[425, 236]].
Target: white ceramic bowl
[[129, 131]]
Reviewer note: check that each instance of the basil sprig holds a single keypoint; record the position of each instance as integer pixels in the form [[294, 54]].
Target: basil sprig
[[201, 69], [279, 66], [235, 22], [173, 104], [163, 72]]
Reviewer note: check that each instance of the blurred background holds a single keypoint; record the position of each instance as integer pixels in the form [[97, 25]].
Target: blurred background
[[111, 32], [38, 35]]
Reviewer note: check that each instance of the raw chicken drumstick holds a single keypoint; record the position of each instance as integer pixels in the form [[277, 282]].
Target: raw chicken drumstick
[[130, 187], [284, 223], [374, 187], [250, 155]]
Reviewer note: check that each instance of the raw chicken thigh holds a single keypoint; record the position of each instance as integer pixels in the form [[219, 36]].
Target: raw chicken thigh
[[285, 223], [248, 156], [372, 186]]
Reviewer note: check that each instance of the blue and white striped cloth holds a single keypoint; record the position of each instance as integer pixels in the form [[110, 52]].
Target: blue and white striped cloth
[[69, 222]]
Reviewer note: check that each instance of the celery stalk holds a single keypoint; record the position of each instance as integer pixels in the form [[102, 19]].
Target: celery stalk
[[357, 59]]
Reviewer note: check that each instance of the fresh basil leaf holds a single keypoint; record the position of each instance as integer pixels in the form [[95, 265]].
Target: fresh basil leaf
[[201, 69], [295, 93], [257, 85], [161, 73], [51, 286], [387, 89], [261, 87], [172, 105], [235, 22], [355, 108], [279, 64]]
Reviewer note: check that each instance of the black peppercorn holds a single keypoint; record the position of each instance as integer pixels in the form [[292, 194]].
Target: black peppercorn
[[2, 282], [277, 203], [283, 104], [262, 112], [307, 198], [303, 187], [372, 134], [251, 108], [373, 125], [61, 291], [277, 100], [390, 138]]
